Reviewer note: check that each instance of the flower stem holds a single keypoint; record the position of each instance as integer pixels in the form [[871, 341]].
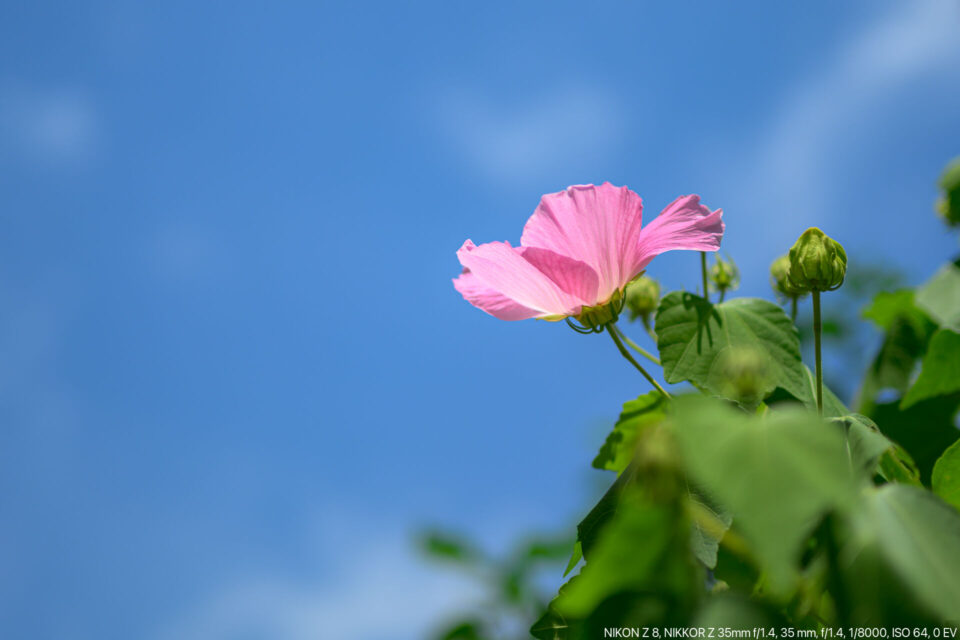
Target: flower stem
[[816, 348], [650, 331], [646, 354], [703, 272], [793, 308], [611, 329]]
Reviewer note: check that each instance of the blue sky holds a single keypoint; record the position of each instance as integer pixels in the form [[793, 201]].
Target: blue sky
[[234, 376]]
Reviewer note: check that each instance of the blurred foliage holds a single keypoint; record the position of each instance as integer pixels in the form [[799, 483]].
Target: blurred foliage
[[617, 452], [844, 338], [511, 582], [946, 475], [736, 505], [948, 206]]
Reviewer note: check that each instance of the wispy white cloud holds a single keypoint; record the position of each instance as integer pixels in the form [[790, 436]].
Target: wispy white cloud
[[376, 589], [516, 141], [47, 125], [792, 158]]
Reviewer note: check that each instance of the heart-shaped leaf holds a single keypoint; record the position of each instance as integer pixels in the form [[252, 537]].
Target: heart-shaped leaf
[[692, 335]]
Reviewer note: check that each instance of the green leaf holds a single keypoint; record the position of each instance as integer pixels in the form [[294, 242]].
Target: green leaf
[[873, 452], [639, 572], [655, 470], [865, 443], [588, 531], [544, 549], [896, 465], [940, 297], [704, 543], [574, 559], [730, 611], [908, 331], [924, 430], [737, 572], [617, 452], [865, 589], [832, 405], [447, 546], [949, 204], [692, 333], [946, 475], [776, 474], [643, 548], [464, 630], [553, 625], [918, 537], [940, 372], [887, 307]]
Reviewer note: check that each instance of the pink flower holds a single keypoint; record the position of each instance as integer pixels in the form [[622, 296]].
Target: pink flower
[[579, 249]]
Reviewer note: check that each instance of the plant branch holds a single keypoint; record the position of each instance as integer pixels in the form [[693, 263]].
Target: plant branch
[[611, 329], [646, 354]]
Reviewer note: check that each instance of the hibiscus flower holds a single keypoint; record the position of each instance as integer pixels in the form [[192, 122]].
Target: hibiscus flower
[[579, 250]]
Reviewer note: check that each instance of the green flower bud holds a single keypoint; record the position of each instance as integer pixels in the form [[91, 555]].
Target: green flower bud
[[744, 374], [817, 262], [948, 206], [643, 297], [778, 278], [724, 274]]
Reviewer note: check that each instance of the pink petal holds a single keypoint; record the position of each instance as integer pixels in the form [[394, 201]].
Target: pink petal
[[505, 270], [572, 276], [493, 302], [599, 226], [684, 224]]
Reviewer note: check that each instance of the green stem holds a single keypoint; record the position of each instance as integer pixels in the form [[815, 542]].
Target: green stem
[[703, 272], [650, 331], [723, 293], [611, 329], [646, 354], [793, 308], [816, 348]]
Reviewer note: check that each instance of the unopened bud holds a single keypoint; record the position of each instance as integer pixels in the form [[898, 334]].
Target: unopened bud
[[643, 297], [817, 262], [778, 278], [724, 274], [658, 467], [745, 374]]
